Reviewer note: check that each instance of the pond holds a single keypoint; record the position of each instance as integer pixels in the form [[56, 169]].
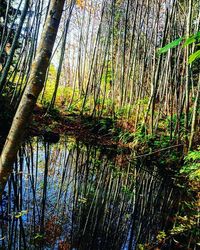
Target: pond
[[75, 196]]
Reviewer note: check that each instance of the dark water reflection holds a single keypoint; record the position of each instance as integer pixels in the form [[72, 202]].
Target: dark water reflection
[[72, 196]]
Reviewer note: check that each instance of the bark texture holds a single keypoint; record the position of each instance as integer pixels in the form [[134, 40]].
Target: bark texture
[[32, 91]]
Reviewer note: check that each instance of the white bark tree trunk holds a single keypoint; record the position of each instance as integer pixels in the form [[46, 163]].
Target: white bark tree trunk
[[32, 91]]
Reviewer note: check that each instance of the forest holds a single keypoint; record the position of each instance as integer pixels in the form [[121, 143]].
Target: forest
[[100, 124]]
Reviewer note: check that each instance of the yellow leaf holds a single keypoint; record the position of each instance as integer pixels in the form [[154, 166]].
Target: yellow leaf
[[80, 3]]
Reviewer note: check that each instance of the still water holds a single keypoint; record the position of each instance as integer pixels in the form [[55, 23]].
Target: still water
[[75, 196]]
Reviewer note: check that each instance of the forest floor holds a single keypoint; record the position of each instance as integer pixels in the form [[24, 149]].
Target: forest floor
[[117, 135], [104, 131], [100, 132]]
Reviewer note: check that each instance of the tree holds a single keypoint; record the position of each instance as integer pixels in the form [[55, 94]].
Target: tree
[[188, 40], [14, 46], [8, 16], [32, 91]]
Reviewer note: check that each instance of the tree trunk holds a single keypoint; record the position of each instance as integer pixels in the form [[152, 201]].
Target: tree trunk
[[32, 91], [194, 116], [188, 75], [14, 46]]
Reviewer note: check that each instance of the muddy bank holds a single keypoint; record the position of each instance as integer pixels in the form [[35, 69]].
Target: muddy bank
[[100, 132]]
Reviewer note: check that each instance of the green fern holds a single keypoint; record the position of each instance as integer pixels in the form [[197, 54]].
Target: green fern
[[192, 165]]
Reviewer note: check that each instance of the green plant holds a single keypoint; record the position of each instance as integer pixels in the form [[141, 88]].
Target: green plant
[[161, 236], [125, 136], [141, 132], [193, 39], [140, 247], [192, 165], [162, 142]]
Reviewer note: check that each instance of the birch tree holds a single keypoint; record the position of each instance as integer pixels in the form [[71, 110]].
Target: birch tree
[[32, 91]]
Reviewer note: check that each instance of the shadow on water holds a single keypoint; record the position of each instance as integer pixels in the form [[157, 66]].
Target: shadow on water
[[72, 196]]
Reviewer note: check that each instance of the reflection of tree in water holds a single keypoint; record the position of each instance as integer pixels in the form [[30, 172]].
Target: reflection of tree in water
[[70, 194]]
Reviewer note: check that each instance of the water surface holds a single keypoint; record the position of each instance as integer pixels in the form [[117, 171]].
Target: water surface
[[75, 196]]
